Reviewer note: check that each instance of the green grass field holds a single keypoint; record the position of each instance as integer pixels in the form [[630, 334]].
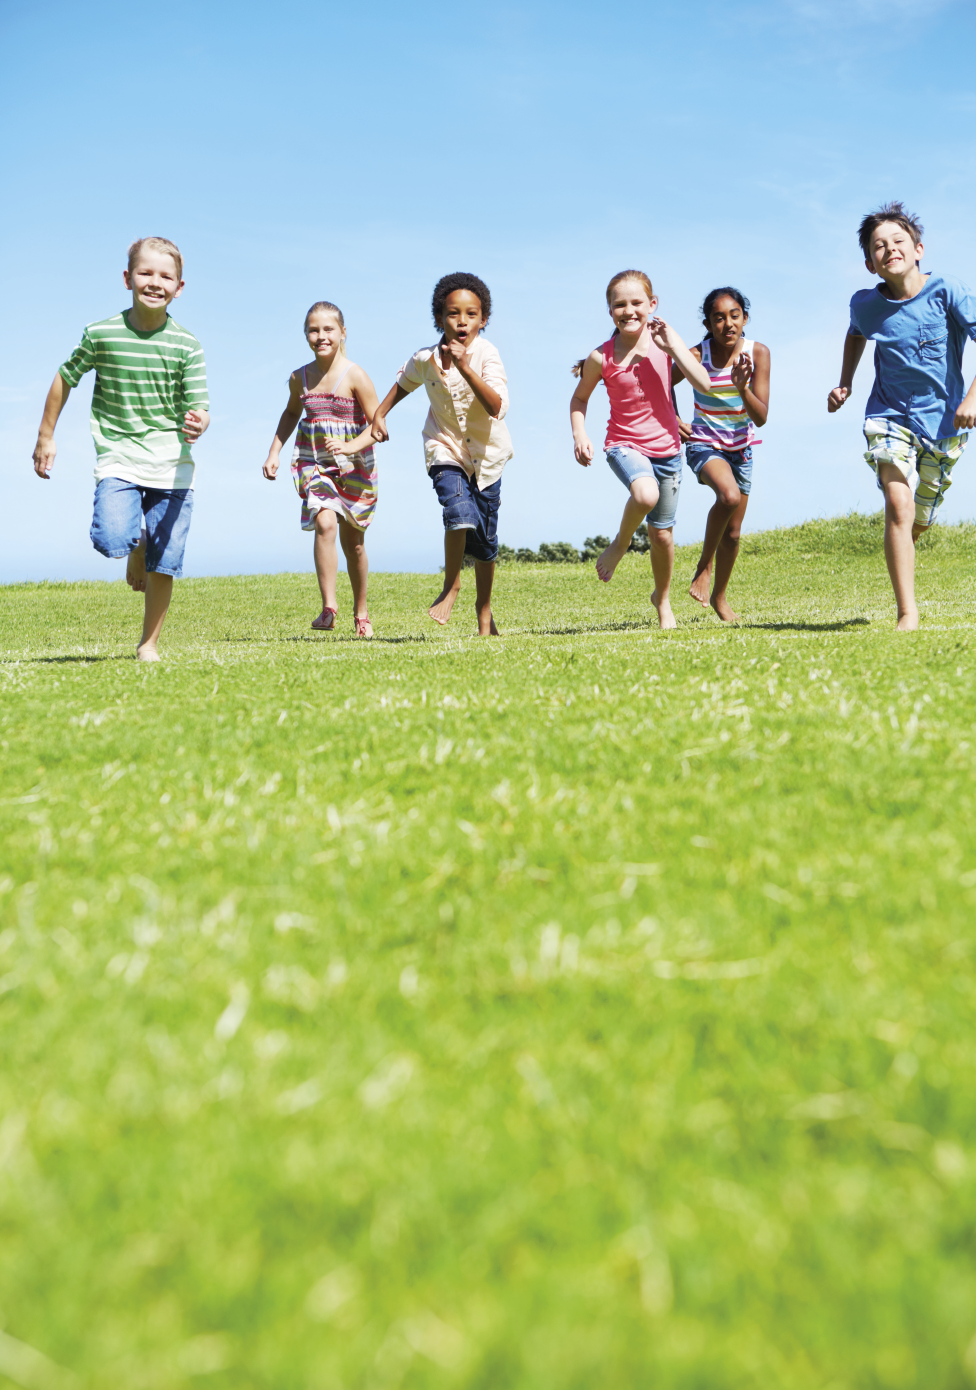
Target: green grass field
[[588, 1008]]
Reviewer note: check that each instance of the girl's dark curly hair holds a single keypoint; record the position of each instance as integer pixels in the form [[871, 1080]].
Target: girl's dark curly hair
[[713, 296], [460, 280]]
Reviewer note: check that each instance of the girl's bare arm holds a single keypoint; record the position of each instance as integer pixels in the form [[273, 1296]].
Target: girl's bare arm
[[365, 393], [684, 426], [393, 397], [671, 342], [750, 377], [591, 374], [290, 417]]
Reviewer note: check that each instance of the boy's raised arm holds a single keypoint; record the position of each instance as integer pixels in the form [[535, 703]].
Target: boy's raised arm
[[854, 346], [393, 397], [45, 448]]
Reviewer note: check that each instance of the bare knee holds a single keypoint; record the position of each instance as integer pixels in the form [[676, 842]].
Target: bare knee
[[645, 493], [325, 522], [660, 539], [731, 537], [728, 496]]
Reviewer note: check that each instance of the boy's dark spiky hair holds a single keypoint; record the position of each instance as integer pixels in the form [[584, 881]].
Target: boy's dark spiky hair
[[460, 280], [888, 212]]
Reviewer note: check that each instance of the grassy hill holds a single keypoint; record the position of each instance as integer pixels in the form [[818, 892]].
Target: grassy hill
[[591, 1007]]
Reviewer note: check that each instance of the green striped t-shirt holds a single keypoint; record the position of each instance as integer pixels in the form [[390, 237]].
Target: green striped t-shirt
[[144, 384]]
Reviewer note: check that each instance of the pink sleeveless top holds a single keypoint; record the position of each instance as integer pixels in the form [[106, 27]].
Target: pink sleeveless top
[[642, 414]]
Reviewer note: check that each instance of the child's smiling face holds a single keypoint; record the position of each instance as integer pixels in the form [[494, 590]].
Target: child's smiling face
[[324, 332], [154, 279], [462, 317], [630, 307], [893, 250], [726, 321]]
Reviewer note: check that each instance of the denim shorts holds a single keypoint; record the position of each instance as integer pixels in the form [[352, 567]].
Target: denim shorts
[[739, 460], [630, 464], [117, 523], [467, 508]]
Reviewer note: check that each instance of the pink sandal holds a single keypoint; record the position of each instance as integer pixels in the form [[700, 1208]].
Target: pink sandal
[[325, 622], [364, 628]]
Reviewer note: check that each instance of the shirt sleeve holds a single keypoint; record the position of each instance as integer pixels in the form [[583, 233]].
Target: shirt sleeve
[[195, 395], [493, 375], [855, 327], [962, 307], [411, 374], [82, 360]]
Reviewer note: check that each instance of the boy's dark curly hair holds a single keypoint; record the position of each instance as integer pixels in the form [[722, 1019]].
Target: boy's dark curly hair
[[460, 280], [888, 212]]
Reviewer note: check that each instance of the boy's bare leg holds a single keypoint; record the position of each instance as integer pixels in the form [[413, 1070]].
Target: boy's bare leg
[[899, 545], [725, 558], [644, 495], [484, 578], [135, 569], [440, 609], [159, 591], [720, 478], [662, 567], [354, 548], [326, 559]]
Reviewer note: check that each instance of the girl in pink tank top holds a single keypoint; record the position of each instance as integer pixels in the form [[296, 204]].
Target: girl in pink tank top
[[643, 446]]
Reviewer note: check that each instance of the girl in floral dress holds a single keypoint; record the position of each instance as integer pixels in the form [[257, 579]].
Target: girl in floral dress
[[333, 464]]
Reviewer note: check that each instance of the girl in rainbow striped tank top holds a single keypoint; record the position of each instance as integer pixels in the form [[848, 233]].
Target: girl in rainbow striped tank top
[[333, 464], [720, 438]]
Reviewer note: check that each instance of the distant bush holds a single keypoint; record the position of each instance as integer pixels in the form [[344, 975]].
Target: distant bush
[[562, 553]]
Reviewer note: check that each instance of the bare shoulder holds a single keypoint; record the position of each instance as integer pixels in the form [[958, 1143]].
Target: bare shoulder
[[760, 352]]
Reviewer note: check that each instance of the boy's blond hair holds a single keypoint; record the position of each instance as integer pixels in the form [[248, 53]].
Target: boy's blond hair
[[156, 243]]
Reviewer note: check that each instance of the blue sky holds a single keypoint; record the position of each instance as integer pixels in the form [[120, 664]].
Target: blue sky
[[356, 153]]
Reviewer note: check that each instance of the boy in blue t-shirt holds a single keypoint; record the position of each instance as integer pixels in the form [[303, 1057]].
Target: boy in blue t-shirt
[[917, 413]]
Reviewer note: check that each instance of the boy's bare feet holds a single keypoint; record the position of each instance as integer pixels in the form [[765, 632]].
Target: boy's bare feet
[[442, 607], [610, 559], [135, 569], [908, 621], [146, 651], [721, 605], [700, 586], [665, 616]]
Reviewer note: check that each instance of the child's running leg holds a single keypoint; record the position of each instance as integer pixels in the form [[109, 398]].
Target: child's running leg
[[644, 494], [484, 578], [898, 544], [440, 609], [720, 478], [353, 543], [159, 591], [725, 558], [662, 567], [326, 560], [135, 568]]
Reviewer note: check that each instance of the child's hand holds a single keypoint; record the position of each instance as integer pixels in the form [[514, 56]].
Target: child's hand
[[742, 371], [965, 416], [583, 451], [837, 398], [662, 334], [378, 429], [194, 424], [684, 430], [456, 353], [44, 451], [270, 469]]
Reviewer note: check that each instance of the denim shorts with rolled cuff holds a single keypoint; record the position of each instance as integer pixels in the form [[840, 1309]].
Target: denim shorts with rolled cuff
[[467, 508], [629, 464], [120, 507], [739, 460]]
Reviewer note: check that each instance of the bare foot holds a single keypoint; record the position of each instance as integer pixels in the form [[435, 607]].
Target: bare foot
[[665, 616], [135, 569], [610, 559], [440, 610], [700, 586], [908, 622], [146, 651], [721, 605]]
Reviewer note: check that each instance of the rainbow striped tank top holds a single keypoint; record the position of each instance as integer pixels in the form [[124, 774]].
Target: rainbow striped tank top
[[720, 417]]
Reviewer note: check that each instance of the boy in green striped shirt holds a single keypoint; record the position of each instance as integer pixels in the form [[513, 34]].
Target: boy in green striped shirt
[[150, 403]]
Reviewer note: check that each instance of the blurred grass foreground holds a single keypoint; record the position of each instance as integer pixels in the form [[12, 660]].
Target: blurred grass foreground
[[593, 1007]]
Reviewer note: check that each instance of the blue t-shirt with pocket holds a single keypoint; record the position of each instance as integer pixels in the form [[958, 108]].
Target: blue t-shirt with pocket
[[918, 351]]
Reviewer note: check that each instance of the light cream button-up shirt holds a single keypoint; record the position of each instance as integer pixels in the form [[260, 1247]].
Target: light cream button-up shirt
[[458, 429]]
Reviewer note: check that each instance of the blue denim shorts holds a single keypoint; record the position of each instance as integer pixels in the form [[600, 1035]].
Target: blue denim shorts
[[739, 460], [467, 508], [117, 523], [630, 464]]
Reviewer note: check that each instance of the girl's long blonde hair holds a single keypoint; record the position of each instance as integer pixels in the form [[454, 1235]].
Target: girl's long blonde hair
[[621, 275]]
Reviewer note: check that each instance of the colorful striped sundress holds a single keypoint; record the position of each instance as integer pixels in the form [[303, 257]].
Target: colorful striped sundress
[[721, 418], [316, 471]]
